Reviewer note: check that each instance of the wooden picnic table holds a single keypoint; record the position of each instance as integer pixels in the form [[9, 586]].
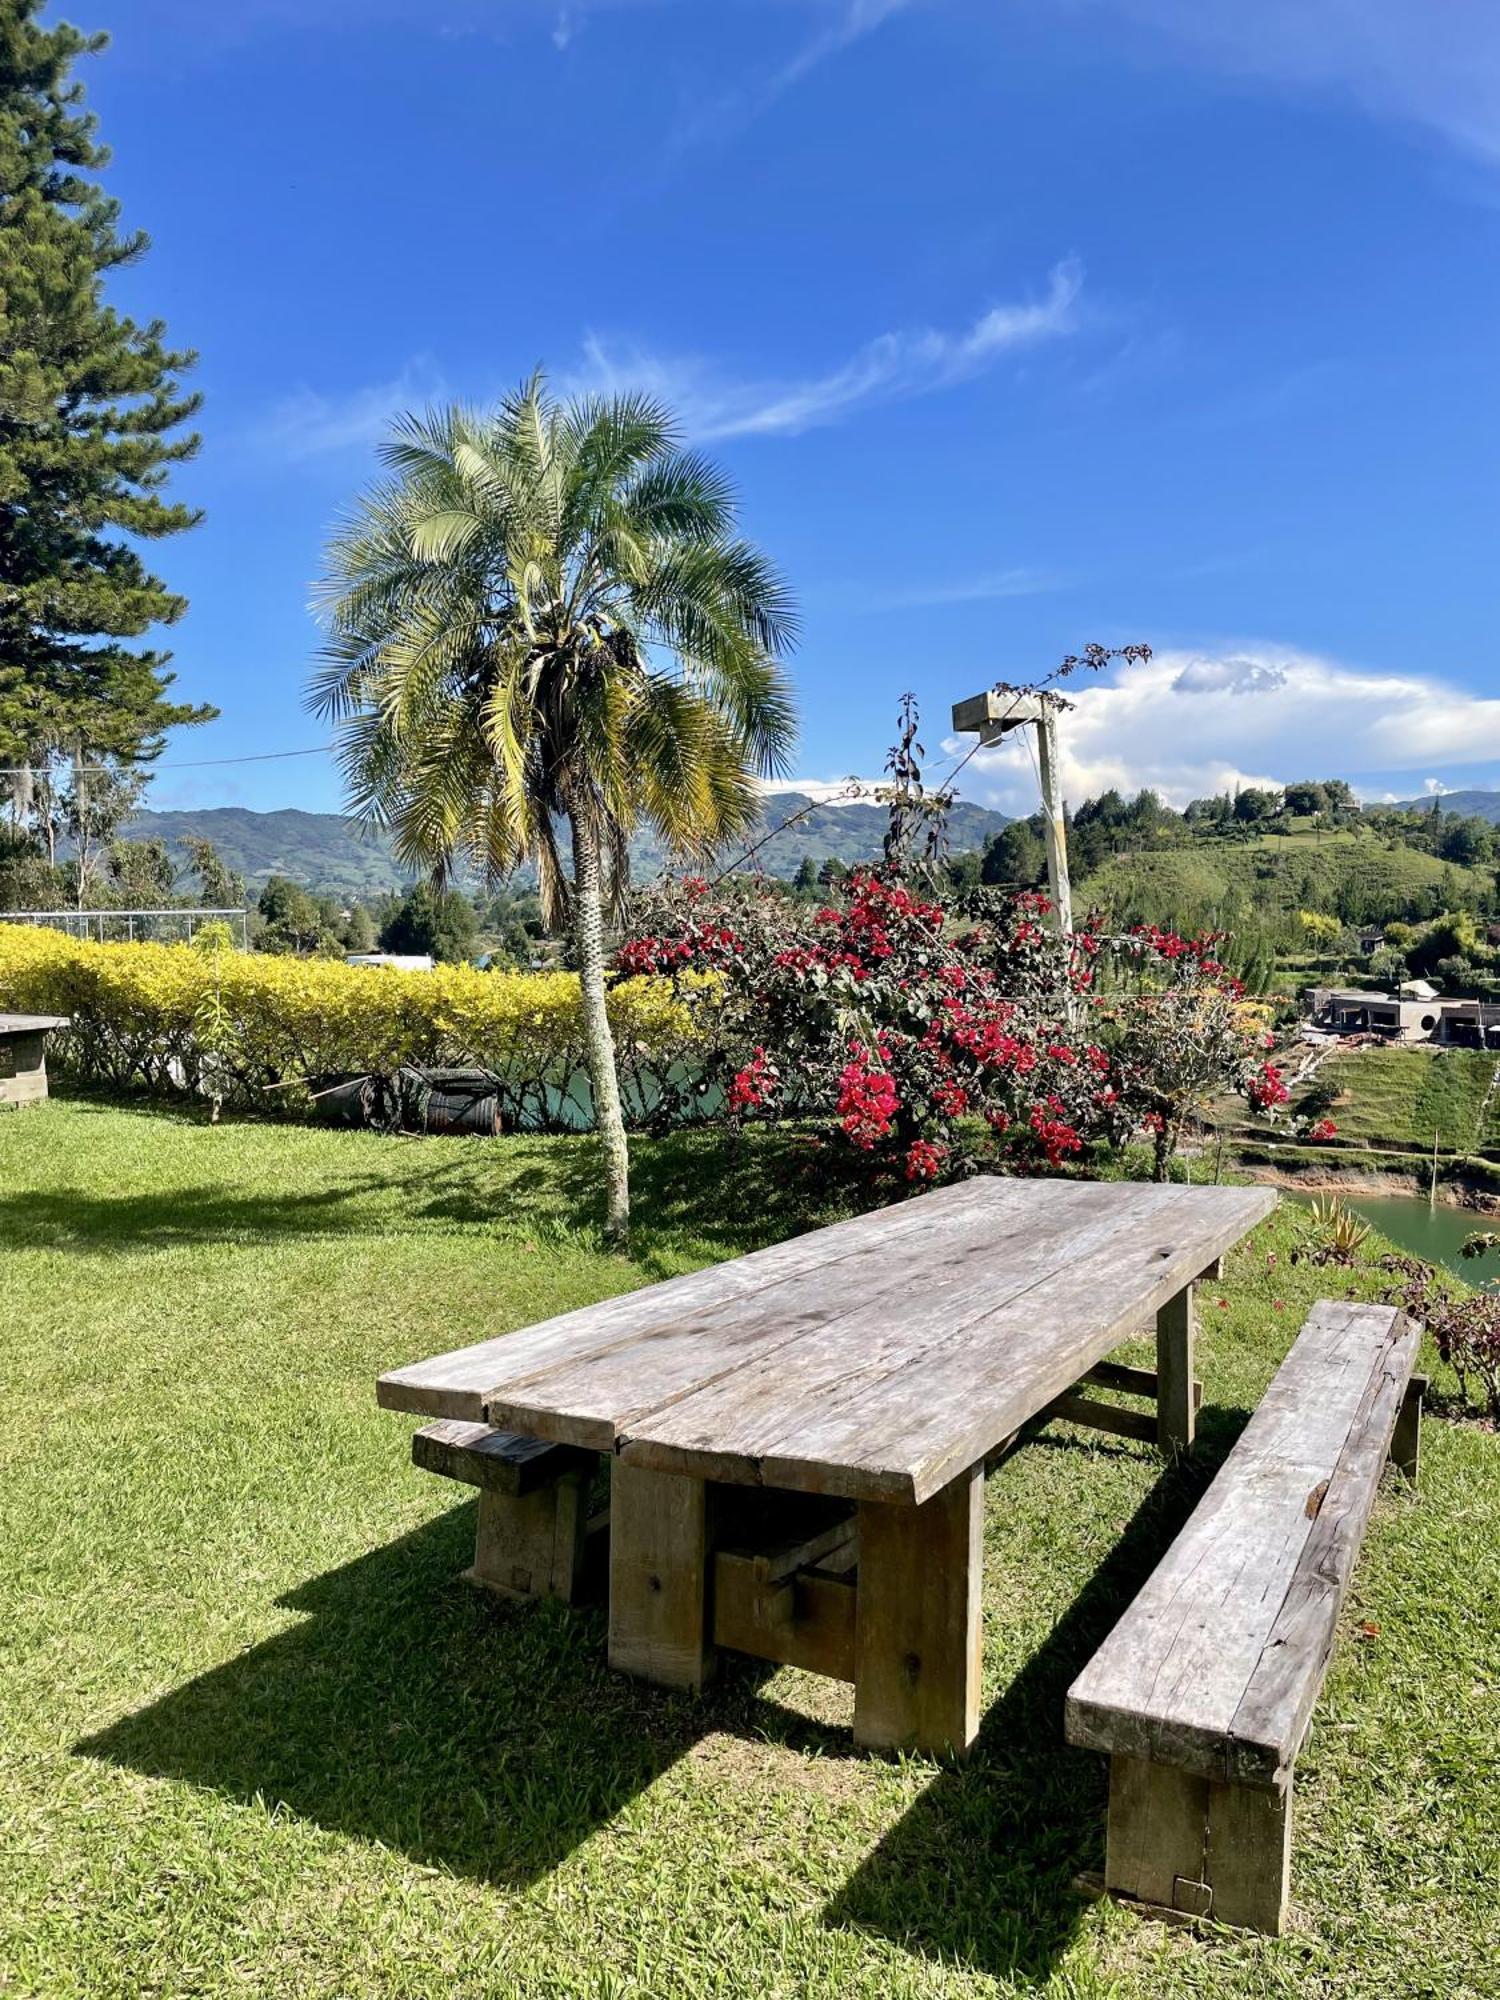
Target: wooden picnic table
[[872, 1367]]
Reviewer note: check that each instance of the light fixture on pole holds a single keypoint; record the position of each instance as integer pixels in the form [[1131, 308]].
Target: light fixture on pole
[[991, 716]]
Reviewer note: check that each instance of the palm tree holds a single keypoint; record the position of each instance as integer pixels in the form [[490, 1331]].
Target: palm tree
[[544, 615]]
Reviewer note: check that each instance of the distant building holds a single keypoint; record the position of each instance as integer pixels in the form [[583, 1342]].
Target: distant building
[[1413, 1013], [418, 961], [1369, 939]]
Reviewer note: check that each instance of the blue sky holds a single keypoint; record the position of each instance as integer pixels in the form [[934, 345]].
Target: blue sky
[[1020, 323]]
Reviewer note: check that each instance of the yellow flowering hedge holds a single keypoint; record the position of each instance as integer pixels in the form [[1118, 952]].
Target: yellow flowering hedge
[[175, 1018]]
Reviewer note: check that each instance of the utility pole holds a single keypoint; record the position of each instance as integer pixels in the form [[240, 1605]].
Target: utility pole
[[991, 716]]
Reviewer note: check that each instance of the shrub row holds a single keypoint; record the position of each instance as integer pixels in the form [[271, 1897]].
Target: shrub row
[[265, 1032]]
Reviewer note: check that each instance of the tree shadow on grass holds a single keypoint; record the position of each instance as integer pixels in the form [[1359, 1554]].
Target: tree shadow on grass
[[692, 1193], [981, 1869], [411, 1710]]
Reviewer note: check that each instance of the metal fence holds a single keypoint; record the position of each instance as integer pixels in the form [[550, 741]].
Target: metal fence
[[123, 923]]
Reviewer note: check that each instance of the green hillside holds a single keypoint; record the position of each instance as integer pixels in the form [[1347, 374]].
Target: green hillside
[[331, 855], [1383, 1096], [1357, 877]]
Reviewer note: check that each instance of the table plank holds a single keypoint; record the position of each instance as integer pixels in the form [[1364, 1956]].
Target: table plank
[[893, 1276], [875, 1359], [873, 1409], [496, 1373]]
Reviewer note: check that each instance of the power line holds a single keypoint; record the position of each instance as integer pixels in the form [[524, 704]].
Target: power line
[[199, 764]]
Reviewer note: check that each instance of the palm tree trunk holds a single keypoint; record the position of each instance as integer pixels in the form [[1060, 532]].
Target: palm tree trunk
[[599, 1042]]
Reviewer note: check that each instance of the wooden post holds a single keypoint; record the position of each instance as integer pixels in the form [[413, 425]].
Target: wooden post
[[917, 1620], [1054, 825], [1176, 1407], [1406, 1439], [660, 1562], [1186, 1846], [1157, 1832], [531, 1544], [1249, 1861]]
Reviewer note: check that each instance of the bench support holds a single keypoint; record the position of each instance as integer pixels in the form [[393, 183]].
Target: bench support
[[660, 1568], [1176, 1407], [1406, 1439], [1184, 1845], [531, 1544], [917, 1621]]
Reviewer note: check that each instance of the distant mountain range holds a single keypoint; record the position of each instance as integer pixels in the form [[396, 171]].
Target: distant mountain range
[[1468, 805], [331, 855]]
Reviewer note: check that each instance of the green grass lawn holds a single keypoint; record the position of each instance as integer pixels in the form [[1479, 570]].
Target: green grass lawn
[[255, 1738]]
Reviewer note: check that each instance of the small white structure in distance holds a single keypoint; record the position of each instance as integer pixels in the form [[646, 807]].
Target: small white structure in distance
[[399, 961]]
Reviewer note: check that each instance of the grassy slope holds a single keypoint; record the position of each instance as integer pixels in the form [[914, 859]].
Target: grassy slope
[[1207, 881], [255, 1739], [1404, 1095]]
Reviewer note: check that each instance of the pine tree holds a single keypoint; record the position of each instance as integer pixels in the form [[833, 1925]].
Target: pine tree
[[89, 404]]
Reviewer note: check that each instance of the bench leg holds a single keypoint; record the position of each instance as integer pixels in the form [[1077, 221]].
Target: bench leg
[[1250, 1856], [917, 1620], [1185, 1846], [1406, 1439], [531, 1545], [1176, 1405], [660, 1564]]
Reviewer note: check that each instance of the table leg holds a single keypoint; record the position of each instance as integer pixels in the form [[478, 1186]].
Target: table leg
[[917, 1623], [660, 1561], [1176, 1411]]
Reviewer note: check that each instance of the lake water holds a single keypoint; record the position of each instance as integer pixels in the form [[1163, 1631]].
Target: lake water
[[1435, 1234]]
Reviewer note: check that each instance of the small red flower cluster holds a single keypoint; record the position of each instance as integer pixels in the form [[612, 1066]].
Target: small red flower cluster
[[1056, 1137], [753, 1087], [924, 1160], [1321, 1131], [707, 947], [868, 1101], [1267, 1088]]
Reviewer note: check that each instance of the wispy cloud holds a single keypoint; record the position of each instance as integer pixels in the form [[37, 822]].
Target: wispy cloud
[[309, 423], [890, 367], [988, 587], [1191, 724], [1431, 63], [730, 111]]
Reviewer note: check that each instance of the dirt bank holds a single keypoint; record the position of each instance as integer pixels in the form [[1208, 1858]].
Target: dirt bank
[[1329, 1180]]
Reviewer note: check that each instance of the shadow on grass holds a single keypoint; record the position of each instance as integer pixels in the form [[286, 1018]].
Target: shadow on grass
[[688, 1189], [492, 1740], [410, 1710], [980, 1870]]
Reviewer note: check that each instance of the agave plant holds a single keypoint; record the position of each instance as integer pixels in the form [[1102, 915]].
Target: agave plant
[[1337, 1231]]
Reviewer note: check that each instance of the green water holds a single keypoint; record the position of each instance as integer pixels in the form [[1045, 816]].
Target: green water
[[1434, 1234]]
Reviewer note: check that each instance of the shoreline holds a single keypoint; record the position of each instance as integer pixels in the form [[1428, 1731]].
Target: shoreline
[[1458, 1193]]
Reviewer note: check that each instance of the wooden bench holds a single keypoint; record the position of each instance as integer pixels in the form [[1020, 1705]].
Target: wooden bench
[[534, 1524], [1202, 1694]]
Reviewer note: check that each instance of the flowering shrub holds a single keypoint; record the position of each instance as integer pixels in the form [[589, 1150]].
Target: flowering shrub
[[924, 1037], [1321, 1131], [1465, 1330], [226, 1025]]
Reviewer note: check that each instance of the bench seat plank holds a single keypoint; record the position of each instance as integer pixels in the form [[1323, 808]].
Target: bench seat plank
[[1215, 1667], [498, 1461]]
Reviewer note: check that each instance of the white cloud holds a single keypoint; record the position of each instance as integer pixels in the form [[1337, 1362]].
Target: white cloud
[[310, 424], [1431, 63], [893, 365], [1191, 724], [826, 791], [563, 29], [1435, 788], [988, 587], [846, 22]]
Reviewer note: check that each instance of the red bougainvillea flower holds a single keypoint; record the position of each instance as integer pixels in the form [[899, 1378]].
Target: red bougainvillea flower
[[1267, 1088], [1322, 1131], [924, 1160], [753, 1086]]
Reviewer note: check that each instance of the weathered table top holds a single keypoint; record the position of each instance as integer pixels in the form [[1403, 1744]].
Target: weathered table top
[[875, 1359]]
